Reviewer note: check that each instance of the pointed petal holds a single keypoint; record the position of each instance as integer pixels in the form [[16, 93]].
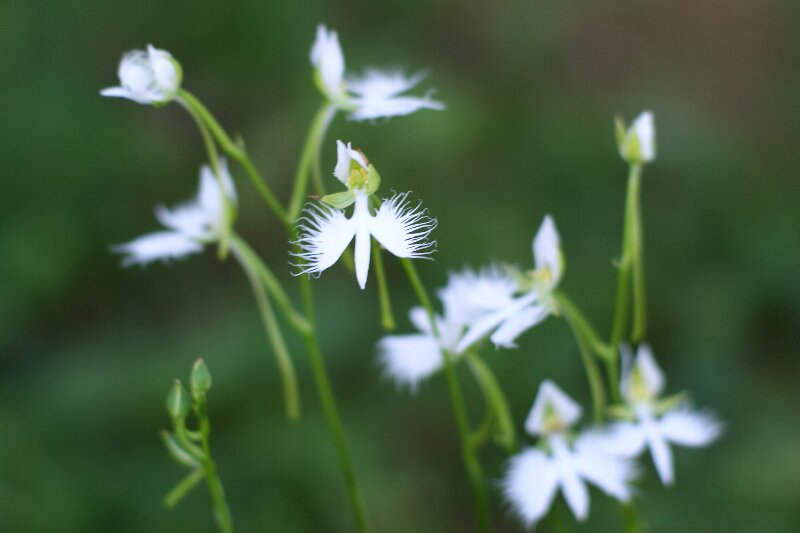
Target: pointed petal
[[575, 491], [547, 249], [362, 255], [324, 233], [403, 229], [162, 245], [327, 57], [609, 473], [662, 457], [488, 322], [530, 485], [408, 359], [644, 128], [118, 92], [517, 324], [551, 396], [651, 373], [420, 319], [370, 109], [377, 95], [689, 428]]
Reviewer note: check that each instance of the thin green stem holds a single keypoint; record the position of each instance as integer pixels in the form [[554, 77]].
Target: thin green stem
[[639, 328], [387, 318], [291, 395], [222, 513], [630, 519], [578, 326], [233, 150], [180, 490], [329, 409], [316, 161], [312, 145], [471, 463], [496, 401]]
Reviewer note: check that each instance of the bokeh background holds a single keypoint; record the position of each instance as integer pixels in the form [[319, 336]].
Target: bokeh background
[[88, 349]]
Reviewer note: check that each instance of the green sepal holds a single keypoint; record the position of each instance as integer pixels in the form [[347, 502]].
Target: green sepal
[[178, 452], [669, 403], [201, 378], [177, 403], [621, 412], [339, 200], [619, 132], [373, 179]]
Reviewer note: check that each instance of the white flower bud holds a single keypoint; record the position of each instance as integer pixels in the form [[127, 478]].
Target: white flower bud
[[150, 77]]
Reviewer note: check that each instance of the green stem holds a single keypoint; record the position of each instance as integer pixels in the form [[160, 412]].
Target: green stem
[[285, 366], [630, 519], [329, 409], [639, 328], [496, 401], [316, 160], [183, 487], [222, 513], [312, 145], [232, 149], [471, 463], [387, 318], [578, 325]]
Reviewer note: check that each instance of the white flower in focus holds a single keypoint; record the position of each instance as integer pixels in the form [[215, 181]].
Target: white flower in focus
[[375, 95], [535, 301], [147, 77], [190, 226], [637, 144], [324, 230], [535, 475], [656, 423], [410, 358]]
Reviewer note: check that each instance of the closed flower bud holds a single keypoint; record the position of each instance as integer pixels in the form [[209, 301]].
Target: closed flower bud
[[201, 377], [150, 77], [637, 144], [178, 403]]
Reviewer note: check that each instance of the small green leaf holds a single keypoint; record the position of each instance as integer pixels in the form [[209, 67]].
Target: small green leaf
[[373, 179], [183, 488], [621, 412], [178, 452], [339, 200], [495, 400]]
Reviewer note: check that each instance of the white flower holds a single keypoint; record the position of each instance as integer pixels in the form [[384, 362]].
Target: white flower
[[656, 423], [190, 226], [376, 94], [535, 475], [147, 77], [408, 359], [324, 231], [637, 144], [534, 303]]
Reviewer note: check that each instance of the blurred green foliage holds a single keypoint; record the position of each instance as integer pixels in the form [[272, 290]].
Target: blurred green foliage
[[88, 350]]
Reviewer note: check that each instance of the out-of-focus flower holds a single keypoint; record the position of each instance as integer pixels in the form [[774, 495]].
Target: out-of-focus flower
[[376, 94], [190, 226], [534, 301], [147, 77], [637, 144], [656, 422], [410, 358], [324, 230], [535, 475]]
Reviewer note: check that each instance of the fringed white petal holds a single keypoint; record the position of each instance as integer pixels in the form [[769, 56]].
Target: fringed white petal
[[324, 233], [550, 396], [530, 485], [547, 250], [210, 197], [402, 228], [689, 428], [625, 439], [377, 95], [162, 245], [610, 473], [470, 294], [408, 359], [487, 323], [188, 219], [517, 324]]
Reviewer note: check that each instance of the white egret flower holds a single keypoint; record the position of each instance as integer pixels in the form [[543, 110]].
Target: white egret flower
[[637, 144], [147, 77], [535, 475], [189, 227], [374, 95], [534, 301], [324, 230], [656, 423], [410, 358]]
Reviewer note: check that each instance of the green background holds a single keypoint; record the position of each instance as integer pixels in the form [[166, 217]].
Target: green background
[[88, 350]]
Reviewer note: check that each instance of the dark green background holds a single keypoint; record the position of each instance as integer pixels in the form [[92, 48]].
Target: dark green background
[[88, 350]]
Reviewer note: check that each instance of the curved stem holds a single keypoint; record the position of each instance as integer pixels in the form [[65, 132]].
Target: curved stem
[[232, 149], [387, 318], [274, 335], [495, 400], [329, 409], [471, 463], [312, 145], [316, 161], [222, 513]]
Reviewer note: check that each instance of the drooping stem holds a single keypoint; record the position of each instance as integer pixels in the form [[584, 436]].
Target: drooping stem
[[291, 395], [328, 402], [579, 328], [222, 513], [233, 150], [496, 402], [387, 318], [311, 147], [471, 463]]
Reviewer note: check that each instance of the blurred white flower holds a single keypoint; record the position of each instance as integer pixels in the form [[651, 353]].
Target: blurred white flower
[[535, 475], [656, 423], [147, 77], [637, 144], [410, 358], [376, 94], [190, 226], [324, 230], [534, 303]]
